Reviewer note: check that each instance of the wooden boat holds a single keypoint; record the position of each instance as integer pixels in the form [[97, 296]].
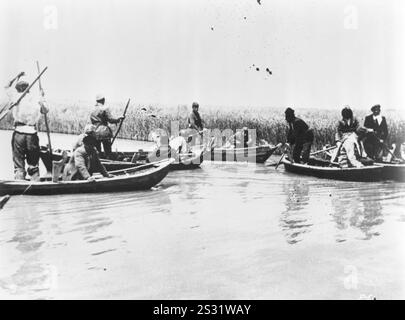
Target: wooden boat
[[392, 171], [258, 154], [124, 160], [137, 178], [323, 169]]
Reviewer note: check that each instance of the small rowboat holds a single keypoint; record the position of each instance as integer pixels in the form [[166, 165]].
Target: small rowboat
[[322, 169], [137, 178], [392, 171], [124, 160], [258, 154]]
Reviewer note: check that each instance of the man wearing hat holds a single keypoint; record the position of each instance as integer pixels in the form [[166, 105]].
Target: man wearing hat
[[375, 142], [85, 161], [299, 135], [25, 141], [89, 129], [100, 118]]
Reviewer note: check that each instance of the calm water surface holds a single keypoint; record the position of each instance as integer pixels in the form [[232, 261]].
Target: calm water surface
[[225, 231]]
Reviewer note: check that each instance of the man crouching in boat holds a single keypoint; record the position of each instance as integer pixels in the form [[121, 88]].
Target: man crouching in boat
[[85, 161], [300, 136], [25, 141], [350, 152]]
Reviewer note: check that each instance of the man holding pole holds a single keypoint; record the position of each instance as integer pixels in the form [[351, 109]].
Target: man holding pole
[[25, 141], [100, 118]]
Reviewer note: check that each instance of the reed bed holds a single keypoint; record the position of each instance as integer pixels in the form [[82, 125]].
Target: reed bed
[[269, 122]]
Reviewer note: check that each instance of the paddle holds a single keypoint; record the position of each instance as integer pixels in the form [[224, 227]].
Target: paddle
[[4, 200], [120, 125], [41, 90], [22, 95], [323, 150]]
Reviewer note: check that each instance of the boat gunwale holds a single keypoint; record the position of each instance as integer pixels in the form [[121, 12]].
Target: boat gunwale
[[123, 177]]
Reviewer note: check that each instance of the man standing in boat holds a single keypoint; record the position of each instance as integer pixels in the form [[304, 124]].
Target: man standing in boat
[[25, 141], [377, 139], [299, 135], [194, 120], [100, 118], [85, 160]]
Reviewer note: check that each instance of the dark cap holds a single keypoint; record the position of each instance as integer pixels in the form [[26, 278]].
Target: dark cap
[[195, 104], [289, 111], [377, 106], [21, 85], [89, 139]]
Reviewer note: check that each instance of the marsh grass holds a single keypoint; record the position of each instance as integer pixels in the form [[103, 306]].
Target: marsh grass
[[269, 122]]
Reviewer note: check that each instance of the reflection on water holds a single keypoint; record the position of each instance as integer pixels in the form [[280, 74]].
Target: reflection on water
[[294, 220], [358, 208]]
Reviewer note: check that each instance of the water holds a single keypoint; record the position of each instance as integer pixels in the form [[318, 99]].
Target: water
[[225, 231]]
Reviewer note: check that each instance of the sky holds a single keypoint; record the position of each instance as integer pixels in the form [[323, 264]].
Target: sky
[[321, 53]]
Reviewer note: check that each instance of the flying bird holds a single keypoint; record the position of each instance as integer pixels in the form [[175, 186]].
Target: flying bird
[[259, 2]]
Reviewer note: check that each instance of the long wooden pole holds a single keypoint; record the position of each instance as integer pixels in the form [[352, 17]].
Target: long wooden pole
[[41, 90], [120, 125]]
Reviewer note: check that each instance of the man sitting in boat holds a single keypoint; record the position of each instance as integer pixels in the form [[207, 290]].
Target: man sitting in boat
[[347, 125], [88, 130], [300, 136], [25, 141], [351, 152], [100, 118], [85, 161], [375, 143]]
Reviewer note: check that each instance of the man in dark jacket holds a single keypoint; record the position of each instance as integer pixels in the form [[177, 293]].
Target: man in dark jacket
[[194, 120], [300, 136], [85, 161], [376, 141], [100, 118]]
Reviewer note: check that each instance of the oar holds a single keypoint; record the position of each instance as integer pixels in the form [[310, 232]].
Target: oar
[[41, 90], [281, 159], [4, 200], [22, 95], [120, 125], [323, 150]]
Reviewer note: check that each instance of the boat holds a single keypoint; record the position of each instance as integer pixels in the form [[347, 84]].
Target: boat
[[258, 154], [324, 169], [141, 177], [392, 170], [128, 159]]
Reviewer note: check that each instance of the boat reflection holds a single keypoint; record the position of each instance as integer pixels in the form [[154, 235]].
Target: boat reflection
[[294, 219], [357, 208]]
